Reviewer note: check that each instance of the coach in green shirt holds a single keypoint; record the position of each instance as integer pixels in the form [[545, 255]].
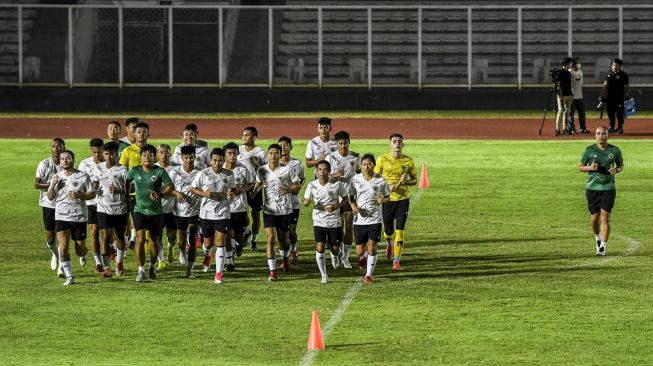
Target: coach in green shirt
[[601, 161], [151, 183]]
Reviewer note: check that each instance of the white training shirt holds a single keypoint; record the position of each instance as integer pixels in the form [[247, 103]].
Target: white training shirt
[[202, 155], [107, 202], [66, 208], [276, 202], [207, 179], [365, 192], [242, 177], [183, 182], [350, 164], [244, 157], [316, 147], [577, 83], [168, 203], [44, 172], [297, 168], [324, 195], [88, 166]]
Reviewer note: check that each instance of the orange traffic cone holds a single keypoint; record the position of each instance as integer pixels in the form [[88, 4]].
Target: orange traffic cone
[[315, 338], [424, 178]]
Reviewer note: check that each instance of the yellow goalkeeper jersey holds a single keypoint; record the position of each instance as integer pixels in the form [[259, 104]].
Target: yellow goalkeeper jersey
[[392, 169]]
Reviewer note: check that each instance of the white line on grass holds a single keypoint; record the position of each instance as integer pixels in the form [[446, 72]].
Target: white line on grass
[[344, 304]]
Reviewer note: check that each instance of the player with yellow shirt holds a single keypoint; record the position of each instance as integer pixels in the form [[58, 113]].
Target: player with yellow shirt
[[399, 172]]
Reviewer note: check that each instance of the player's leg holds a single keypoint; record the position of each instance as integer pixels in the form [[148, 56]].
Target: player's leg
[[373, 235], [171, 234], [388, 211], [154, 228], [119, 223], [319, 254], [292, 237], [63, 237], [620, 118], [268, 224], [611, 109], [401, 215], [334, 239], [94, 238], [140, 225], [105, 234], [593, 205], [221, 235], [282, 225], [50, 236], [207, 244], [360, 239], [348, 234]]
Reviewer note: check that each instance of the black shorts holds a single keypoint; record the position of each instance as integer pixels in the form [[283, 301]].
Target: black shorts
[[77, 229], [183, 222], [327, 235], [117, 222], [209, 227], [131, 204], [597, 200], [92, 214], [256, 203], [395, 214], [150, 223], [294, 217], [365, 233], [279, 222], [346, 208], [238, 221], [48, 218], [169, 221]]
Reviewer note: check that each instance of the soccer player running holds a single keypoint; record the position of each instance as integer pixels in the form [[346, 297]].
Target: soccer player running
[[151, 183], [187, 206], [130, 127], [215, 185], [252, 157], [399, 172], [368, 192], [602, 161], [244, 180], [46, 169], [298, 170], [168, 203], [279, 184], [344, 165], [88, 166], [329, 196], [69, 188], [113, 134], [322, 145], [111, 206], [202, 150]]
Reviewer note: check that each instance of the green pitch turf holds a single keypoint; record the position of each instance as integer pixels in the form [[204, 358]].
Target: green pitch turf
[[499, 269]]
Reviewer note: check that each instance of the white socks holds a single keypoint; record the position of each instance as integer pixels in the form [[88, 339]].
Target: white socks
[[220, 253], [371, 263], [272, 263], [67, 269], [321, 263]]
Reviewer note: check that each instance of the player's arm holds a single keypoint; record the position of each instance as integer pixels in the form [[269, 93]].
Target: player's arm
[[54, 187], [40, 185], [311, 163], [307, 196]]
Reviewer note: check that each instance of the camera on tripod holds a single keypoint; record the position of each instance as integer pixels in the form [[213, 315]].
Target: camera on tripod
[[553, 75], [601, 105]]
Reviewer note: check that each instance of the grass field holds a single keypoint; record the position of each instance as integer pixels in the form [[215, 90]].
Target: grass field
[[499, 269]]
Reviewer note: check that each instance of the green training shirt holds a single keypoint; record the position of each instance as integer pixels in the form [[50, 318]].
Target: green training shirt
[[144, 182], [601, 180]]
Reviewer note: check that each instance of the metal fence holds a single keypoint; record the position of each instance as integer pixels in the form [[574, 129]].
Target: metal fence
[[318, 46]]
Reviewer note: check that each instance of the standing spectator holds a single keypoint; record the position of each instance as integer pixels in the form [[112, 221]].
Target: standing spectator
[[564, 96], [602, 161], [578, 103], [614, 92]]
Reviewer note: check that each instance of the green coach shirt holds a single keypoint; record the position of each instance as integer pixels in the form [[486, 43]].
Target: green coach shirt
[[601, 180], [146, 182]]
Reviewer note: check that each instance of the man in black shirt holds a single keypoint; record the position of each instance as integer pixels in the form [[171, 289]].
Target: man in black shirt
[[613, 94], [564, 96]]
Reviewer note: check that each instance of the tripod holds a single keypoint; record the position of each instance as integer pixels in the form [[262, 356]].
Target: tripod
[[548, 104]]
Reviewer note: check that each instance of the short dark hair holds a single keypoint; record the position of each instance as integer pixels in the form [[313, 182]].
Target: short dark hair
[[341, 135], [142, 125], [165, 146], [114, 123], [275, 146], [96, 142], [59, 140], [369, 157], [326, 121], [396, 135], [324, 162], [187, 150], [191, 126], [566, 60], [131, 121], [230, 146], [69, 152], [217, 151], [252, 129], [110, 146], [575, 61], [618, 61], [149, 148], [286, 139]]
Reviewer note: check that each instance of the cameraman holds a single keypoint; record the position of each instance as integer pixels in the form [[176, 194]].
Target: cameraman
[[613, 94], [564, 95]]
